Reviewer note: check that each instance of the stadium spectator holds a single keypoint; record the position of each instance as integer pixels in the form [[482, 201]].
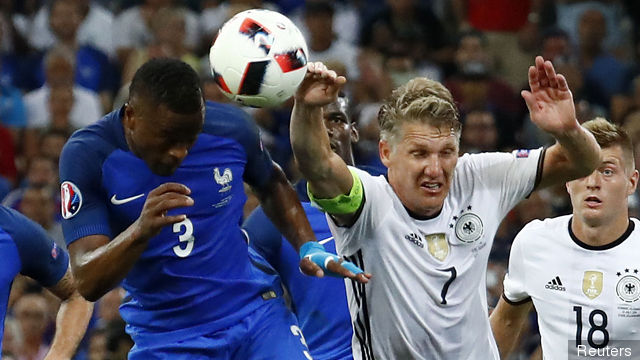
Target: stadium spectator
[[475, 86], [407, 28], [92, 68], [40, 205], [323, 43], [95, 27], [604, 75], [51, 143], [132, 29], [58, 104], [168, 28], [41, 172], [424, 205], [511, 31], [480, 132]]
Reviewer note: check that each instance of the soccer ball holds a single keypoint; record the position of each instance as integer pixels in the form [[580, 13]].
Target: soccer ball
[[258, 58]]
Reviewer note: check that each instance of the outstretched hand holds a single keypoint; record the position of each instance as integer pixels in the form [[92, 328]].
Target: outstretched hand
[[550, 101], [315, 261], [320, 85]]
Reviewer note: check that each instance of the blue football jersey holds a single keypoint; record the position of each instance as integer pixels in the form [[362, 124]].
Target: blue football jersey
[[319, 304], [196, 276], [25, 248]]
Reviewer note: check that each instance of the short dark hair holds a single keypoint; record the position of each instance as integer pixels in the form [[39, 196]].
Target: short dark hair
[[169, 82], [554, 32]]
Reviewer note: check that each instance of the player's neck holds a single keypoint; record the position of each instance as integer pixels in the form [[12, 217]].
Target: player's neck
[[600, 234]]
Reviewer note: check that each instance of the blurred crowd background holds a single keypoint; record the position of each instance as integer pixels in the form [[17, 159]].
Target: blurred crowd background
[[65, 63]]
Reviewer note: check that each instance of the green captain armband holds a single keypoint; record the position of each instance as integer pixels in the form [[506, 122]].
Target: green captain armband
[[342, 204]]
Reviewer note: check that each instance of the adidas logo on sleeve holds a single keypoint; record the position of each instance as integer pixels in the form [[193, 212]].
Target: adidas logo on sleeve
[[555, 284]]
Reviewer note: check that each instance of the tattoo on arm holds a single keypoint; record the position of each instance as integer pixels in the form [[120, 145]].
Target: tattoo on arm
[[65, 287]]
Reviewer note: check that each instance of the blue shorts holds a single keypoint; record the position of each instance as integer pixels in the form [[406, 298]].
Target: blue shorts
[[271, 332]]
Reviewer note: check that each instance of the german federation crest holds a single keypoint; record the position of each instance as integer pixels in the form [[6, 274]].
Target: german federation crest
[[469, 227], [628, 288], [70, 199], [592, 284]]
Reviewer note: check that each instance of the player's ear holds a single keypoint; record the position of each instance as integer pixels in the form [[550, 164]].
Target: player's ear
[[385, 149], [355, 135], [633, 182], [129, 117]]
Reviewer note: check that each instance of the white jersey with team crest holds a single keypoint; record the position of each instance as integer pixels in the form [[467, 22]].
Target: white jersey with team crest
[[427, 296], [587, 297]]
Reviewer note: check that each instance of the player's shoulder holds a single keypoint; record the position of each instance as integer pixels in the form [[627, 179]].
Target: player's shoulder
[[99, 138], [368, 178], [539, 230], [19, 227], [227, 120]]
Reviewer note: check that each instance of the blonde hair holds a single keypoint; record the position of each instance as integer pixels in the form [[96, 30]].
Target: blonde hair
[[419, 100], [608, 135]]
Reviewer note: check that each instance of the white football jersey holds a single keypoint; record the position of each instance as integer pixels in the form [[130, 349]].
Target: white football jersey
[[585, 296], [427, 296]]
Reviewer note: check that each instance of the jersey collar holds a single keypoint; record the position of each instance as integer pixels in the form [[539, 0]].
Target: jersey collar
[[610, 245]]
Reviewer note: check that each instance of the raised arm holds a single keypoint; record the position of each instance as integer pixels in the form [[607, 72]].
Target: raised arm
[[507, 321], [326, 173], [72, 319], [576, 152], [99, 264]]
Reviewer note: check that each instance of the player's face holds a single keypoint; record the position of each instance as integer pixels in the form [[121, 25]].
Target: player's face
[[421, 166], [601, 197], [159, 136], [340, 129]]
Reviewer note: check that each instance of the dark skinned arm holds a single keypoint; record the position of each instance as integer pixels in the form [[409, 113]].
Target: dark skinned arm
[[100, 265]]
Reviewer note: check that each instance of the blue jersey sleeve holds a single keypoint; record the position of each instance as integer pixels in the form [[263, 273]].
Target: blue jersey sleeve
[[40, 258], [264, 237], [231, 121], [84, 211]]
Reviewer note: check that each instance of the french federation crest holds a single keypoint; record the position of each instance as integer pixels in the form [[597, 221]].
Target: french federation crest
[[592, 284], [70, 199], [469, 227], [437, 245], [224, 179], [628, 288]]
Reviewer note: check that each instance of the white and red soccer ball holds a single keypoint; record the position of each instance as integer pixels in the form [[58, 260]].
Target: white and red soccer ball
[[258, 58]]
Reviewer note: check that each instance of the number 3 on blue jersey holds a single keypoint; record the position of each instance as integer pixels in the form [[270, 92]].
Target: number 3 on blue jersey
[[297, 332], [187, 237]]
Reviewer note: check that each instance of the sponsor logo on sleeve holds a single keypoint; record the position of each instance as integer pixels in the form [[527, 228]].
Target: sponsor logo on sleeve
[[54, 251], [70, 199]]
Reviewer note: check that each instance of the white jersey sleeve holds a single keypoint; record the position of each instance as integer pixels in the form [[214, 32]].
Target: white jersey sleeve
[[515, 290], [371, 215], [516, 174]]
